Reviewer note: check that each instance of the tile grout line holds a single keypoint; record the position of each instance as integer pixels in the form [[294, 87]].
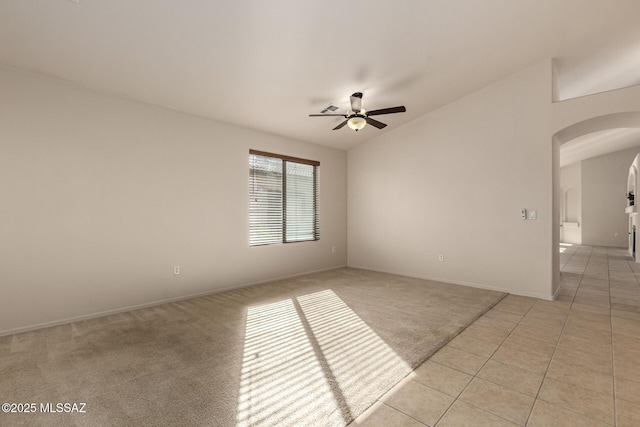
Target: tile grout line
[[476, 375], [562, 331], [544, 376], [558, 343], [429, 358], [591, 253], [613, 360], [402, 412], [581, 275], [613, 352]]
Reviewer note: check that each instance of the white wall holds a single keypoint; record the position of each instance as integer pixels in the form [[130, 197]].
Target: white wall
[[452, 182], [604, 184], [571, 204], [102, 196]]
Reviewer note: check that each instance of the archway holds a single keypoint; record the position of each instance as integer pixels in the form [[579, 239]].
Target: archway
[[629, 119]]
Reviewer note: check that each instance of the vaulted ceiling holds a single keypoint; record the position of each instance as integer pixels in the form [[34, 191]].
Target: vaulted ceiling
[[268, 64]]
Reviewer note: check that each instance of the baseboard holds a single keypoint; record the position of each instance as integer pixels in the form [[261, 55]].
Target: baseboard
[[461, 283], [154, 303]]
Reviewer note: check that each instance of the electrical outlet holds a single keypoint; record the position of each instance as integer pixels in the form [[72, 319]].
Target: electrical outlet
[[176, 269], [441, 258]]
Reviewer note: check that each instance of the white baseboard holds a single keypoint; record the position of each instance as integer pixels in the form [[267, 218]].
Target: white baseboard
[[154, 303], [462, 283]]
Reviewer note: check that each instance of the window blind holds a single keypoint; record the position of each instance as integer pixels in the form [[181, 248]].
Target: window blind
[[283, 199]]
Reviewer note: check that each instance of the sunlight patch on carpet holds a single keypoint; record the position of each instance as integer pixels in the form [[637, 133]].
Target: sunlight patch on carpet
[[308, 359]]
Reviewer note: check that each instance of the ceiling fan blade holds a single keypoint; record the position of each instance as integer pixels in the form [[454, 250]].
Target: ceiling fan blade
[[356, 102], [375, 123], [326, 115], [340, 125], [391, 110]]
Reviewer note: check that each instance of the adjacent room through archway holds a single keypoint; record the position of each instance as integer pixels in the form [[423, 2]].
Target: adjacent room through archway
[[593, 138]]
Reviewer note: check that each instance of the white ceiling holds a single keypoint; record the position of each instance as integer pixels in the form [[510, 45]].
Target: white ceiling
[[268, 64]]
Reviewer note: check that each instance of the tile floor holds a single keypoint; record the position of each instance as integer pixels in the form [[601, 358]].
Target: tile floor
[[570, 362]]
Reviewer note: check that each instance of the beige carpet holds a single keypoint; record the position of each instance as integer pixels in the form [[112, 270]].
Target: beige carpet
[[314, 350]]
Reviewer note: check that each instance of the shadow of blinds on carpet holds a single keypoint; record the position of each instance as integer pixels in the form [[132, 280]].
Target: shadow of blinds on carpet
[[311, 360]]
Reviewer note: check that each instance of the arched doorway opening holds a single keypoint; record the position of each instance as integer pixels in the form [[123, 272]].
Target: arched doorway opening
[[629, 119]]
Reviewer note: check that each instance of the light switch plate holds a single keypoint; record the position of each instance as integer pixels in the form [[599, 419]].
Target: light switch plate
[[533, 215]]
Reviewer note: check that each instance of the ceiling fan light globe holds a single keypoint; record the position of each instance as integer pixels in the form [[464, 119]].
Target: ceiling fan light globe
[[356, 123]]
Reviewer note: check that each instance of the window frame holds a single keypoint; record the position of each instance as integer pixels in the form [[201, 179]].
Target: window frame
[[316, 190]]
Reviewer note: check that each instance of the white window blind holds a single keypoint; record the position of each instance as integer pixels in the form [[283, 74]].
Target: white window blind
[[283, 199]]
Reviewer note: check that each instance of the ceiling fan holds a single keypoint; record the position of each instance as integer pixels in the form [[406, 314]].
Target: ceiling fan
[[357, 118]]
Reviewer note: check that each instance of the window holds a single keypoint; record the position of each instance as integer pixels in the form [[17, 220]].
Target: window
[[283, 199]]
